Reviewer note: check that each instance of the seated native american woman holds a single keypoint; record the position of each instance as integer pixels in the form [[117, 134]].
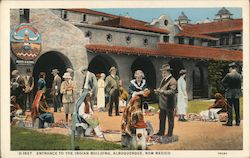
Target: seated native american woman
[[132, 119], [40, 110]]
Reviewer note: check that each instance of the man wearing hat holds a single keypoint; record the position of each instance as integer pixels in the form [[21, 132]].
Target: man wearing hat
[[55, 90], [29, 85], [18, 87], [232, 83], [166, 93], [89, 84], [112, 90]]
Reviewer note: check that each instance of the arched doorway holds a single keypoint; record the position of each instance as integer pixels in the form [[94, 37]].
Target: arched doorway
[[101, 64], [46, 63], [199, 86], [144, 64], [176, 65]]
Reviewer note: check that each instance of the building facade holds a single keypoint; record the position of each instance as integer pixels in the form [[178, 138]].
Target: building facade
[[81, 37]]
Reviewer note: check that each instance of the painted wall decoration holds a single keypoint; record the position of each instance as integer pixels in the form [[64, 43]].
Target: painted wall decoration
[[25, 41]]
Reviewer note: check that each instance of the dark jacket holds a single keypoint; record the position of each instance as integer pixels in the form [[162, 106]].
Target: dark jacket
[[232, 84]]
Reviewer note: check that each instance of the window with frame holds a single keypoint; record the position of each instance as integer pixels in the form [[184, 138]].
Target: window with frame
[[109, 37], [88, 34], [64, 14], [181, 40], [128, 39], [24, 15], [145, 41], [191, 41], [237, 38], [166, 39], [84, 17]]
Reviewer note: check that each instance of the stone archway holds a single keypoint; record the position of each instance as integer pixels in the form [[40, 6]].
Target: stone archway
[[46, 63], [145, 64], [176, 65], [200, 89], [101, 64]]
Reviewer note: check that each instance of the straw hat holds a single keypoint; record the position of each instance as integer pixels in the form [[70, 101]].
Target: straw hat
[[67, 75], [112, 68], [166, 67], [69, 70], [54, 71]]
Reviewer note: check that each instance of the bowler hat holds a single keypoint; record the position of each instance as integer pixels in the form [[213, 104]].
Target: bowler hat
[[232, 64], [54, 71], [166, 67], [182, 71], [112, 68]]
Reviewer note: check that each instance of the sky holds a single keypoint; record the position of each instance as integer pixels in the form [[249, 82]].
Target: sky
[[148, 14]]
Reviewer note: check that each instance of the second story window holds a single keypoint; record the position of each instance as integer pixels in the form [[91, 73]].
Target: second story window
[[88, 34], [128, 39], [109, 37], [64, 14], [145, 41], [84, 17], [191, 41], [166, 39], [102, 18], [24, 15], [181, 40]]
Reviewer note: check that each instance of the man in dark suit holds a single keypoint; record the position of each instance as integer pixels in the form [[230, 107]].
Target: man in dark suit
[[55, 90], [232, 83], [166, 93]]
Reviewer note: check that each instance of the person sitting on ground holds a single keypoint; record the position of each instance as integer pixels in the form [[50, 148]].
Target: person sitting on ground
[[40, 110], [220, 102], [219, 106], [15, 109], [85, 115]]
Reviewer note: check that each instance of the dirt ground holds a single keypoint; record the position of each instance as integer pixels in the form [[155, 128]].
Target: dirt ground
[[193, 135]]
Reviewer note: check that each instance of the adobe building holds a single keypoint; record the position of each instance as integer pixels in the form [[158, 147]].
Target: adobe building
[[81, 37]]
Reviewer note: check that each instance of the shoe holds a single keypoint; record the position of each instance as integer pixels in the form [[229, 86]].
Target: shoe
[[227, 124], [237, 124], [110, 115], [159, 134], [117, 114]]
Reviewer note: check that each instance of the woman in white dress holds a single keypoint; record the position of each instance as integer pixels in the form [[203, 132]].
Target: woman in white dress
[[182, 98], [101, 93]]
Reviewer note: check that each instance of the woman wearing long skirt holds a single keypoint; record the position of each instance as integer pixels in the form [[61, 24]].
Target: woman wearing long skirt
[[101, 93], [182, 98]]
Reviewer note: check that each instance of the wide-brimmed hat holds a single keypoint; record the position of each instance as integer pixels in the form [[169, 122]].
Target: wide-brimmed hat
[[67, 75], [112, 68], [182, 71], [233, 64], [54, 71], [14, 72], [69, 70], [166, 67]]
